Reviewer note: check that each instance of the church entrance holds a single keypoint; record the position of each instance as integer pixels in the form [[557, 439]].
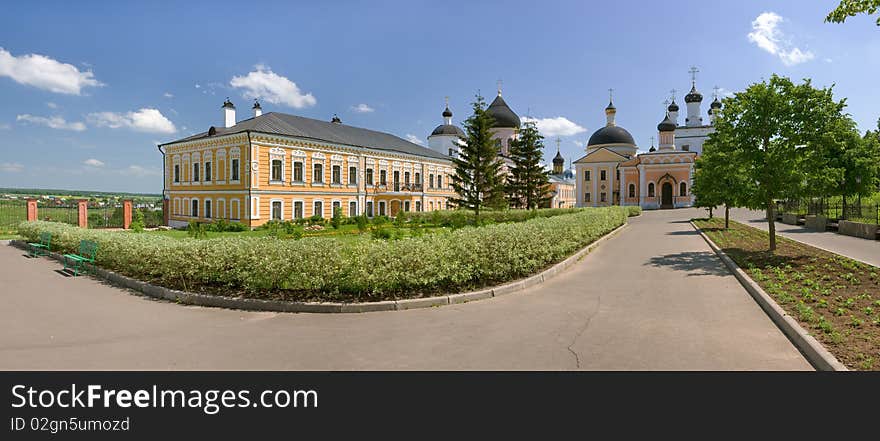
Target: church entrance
[[666, 195]]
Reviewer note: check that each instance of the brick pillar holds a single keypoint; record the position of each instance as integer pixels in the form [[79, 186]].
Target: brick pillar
[[83, 210], [31, 209], [166, 210], [126, 214]]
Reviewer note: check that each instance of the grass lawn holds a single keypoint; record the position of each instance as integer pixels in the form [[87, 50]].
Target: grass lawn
[[836, 298]]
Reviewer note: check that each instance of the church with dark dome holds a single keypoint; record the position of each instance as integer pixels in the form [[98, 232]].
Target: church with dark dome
[[613, 173]]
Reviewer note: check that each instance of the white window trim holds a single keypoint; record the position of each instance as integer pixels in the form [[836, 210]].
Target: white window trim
[[237, 203], [356, 208], [293, 170], [196, 200], [205, 208], [322, 207], [293, 208], [271, 160], [272, 208]]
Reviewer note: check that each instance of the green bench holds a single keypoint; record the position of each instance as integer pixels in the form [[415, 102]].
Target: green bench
[[43, 247], [88, 249]]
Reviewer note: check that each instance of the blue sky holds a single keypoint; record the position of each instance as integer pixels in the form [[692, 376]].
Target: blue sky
[[88, 88]]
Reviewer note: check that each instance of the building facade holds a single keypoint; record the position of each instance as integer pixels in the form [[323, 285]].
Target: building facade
[[283, 167]]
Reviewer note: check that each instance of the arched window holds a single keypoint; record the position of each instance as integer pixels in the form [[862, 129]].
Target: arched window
[[682, 189], [632, 190], [651, 190]]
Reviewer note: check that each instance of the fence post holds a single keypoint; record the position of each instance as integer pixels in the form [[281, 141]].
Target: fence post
[[32, 209], [126, 214], [83, 213]]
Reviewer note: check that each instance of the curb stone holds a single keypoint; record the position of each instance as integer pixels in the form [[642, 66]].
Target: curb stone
[[190, 298], [813, 351]]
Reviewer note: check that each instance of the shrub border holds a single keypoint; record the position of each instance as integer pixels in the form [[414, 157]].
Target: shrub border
[[190, 298], [812, 350]]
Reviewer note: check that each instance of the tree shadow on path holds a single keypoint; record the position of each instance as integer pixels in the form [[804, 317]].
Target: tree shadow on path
[[695, 263]]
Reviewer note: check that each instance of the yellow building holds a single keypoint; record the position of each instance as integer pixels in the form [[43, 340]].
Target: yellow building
[[562, 184], [281, 166]]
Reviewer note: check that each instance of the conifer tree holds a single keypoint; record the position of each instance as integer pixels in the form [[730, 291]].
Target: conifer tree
[[476, 180], [527, 186]]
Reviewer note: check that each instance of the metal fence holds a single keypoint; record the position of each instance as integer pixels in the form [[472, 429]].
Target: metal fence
[[67, 213], [105, 216], [12, 212], [868, 213]]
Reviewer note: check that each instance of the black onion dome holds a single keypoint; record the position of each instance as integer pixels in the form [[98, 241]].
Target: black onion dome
[[256, 105], [652, 149], [447, 113], [228, 103], [558, 159], [611, 135], [504, 117], [666, 125], [715, 104], [693, 96], [611, 106], [336, 120], [447, 129], [673, 107]]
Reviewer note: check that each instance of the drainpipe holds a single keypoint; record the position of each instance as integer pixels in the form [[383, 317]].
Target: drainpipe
[[164, 171]]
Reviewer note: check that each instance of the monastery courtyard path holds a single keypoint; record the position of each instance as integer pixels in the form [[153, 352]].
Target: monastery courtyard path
[[653, 297], [867, 251]]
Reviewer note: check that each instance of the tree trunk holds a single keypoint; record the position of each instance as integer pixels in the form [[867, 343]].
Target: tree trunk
[[710, 213], [726, 216], [771, 221]]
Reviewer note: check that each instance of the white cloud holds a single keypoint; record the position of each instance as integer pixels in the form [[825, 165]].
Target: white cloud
[[414, 139], [168, 95], [362, 108], [11, 167], [559, 126], [5, 126], [724, 93], [92, 162], [144, 120], [271, 87], [52, 105], [198, 86], [46, 73], [53, 122], [140, 171], [767, 36]]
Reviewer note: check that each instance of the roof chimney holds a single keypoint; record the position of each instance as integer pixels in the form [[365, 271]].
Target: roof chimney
[[257, 109], [228, 113]]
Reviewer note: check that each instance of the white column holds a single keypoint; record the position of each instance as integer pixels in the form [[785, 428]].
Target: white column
[[642, 186]]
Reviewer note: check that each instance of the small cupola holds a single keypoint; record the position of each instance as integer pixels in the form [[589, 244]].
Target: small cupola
[[257, 109], [228, 113], [335, 119]]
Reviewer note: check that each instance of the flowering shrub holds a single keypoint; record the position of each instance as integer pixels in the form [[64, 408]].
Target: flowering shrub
[[331, 270]]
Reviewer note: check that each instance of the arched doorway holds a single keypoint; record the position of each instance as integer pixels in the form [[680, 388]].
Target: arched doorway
[[666, 195]]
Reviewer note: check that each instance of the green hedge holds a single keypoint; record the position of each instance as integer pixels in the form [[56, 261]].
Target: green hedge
[[460, 218], [332, 270], [633, 210]]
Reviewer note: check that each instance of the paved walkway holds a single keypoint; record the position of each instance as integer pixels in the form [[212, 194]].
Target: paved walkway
[[867, 251], [653, 297]]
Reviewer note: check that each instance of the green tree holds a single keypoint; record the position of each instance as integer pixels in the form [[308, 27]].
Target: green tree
[[477, 179], [528, 183], [772, 129], [851, 8], [719, 178], [845, 163]]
